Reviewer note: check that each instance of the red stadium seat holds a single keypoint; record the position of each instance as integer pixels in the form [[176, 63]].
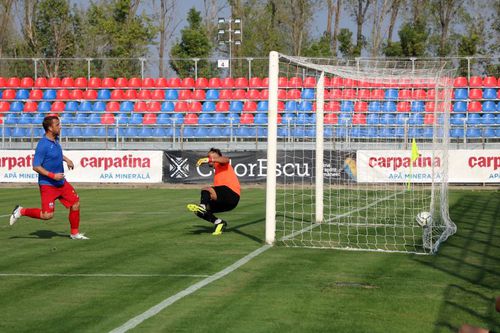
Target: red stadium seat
[[430, 95], [476, 93], [3, 82], [135, 82], [94, 82], [214, 83], [335, 94], [149, 119], [54, 82], [475, 82], [490, 82], [222, 106], [195, 106], [241, 82], [174, 82], [359, 119], [460, 82], [295, 82], [249, 106], [140, 106], [108, 82], [107, 118], [348, 93], [281, 106], [377, 94], [201, 82], [429, 119], [161, 82], [185, 94], [360, 106], [330, 118], [30, 106], [349, 83], [117, 94], [430, 106], [255, 82], [246, 118], [264, 94], [148, 82], [199, 95], [144, 95], [154, 106], [14, 82], [75, 94], [27, 82], [62, 94], [310, 82], [191, 119], [68, 82], [474, 106], [58, 106], [239, 94], [363, 94], [293, 94], [265, 82], [4, 106], [253, 94], [113, 107], [336, 82], [332, 106], [227, 82], [404, 94], [225, 94], [36, 94], [187, 82], [282, 82], [158, 94], [181, 106], [9, 94], [419, 94], [130, 94], [121, 82], [41, 82], [81, 82], [403, 107]]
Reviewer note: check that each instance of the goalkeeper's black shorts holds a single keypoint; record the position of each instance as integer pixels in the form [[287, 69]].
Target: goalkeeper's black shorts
[[227, 199]]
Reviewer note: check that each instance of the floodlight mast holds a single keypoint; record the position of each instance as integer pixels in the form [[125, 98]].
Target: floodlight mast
[[233, 28]]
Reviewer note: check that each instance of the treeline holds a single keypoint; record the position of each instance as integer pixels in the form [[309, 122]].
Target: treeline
[[125, 30]]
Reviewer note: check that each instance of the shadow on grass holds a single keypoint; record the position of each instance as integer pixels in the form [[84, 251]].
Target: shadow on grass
[[473, 256], [203, 229], [42, 234]]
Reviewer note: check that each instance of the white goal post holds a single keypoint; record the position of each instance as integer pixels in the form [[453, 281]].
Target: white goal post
[[362, 149]]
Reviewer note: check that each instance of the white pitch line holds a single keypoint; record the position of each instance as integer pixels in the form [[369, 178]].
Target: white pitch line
[[172, 299], [5, 215], [100, 275]]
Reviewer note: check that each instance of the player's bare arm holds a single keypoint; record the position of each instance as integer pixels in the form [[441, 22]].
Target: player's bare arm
[[41, 170], [69, 162]]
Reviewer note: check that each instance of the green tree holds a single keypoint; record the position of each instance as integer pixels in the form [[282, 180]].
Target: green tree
[[346, 47], [319, 48], [194, 43], [413, 41]]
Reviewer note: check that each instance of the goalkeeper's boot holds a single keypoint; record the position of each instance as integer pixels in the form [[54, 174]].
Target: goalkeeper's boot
[[79, 236], [16, 213], [197, 208], [219, 228]]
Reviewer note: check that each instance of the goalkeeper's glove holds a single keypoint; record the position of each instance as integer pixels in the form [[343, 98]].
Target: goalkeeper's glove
[[203, 160]]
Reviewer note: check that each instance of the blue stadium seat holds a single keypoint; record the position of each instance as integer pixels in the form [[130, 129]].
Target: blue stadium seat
[[212, 94], [163, 118], [497, 132], [135, 119], [22, 94], [103, 94], [262, 131], [121, 118], [302, 119], [263, 106], [260, 118], [428, 132], [489, 132], [38, 118], [291, 106], [344, 119], [328, 131], [417, 106], [341, 131], [99, 106], [131, 132], [49, 94], [389, 107], [489, 118], [16, 106], [358, 132], [233, 118], [387, 119], [391, 94], [226, 131], [205, 119], [473, 132], [460, 106], [44, 106], [145, 132], [235, 106], [372, 119], [305, 106], [171, 95], [201, 132], [414, 132], [473, 119], [25, 119], [386, 132], [215, 132], [176, 118], [11, 118], [371, 132], [208, 106], [167, 106], [81, 118], [94, 118], [347, 106], [245, 131], [89, 132], [307, 94], [489, 106], [127, 106], [490, 93], [71, 106], [84, 106], [220, 119], [374, 106], [19, 132], [74, 132], [457, 119], [461, 93], [283, 131], [159, 132], [288, 118], [402, 118], [416, 119], [399, 132]]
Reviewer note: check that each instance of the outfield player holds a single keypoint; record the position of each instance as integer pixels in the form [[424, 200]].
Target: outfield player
[[223, 196], [48, 163]]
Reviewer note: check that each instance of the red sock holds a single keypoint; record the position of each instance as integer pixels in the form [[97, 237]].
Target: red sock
[[31, 212], [74, 220]]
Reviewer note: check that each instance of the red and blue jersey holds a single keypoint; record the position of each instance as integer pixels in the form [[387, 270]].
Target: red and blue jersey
[[49, 155]]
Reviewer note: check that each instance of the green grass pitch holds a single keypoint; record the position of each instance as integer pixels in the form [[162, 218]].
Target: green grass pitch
[[145, 247]]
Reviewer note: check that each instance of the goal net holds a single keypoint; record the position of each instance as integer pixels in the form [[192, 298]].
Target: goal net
[[357, 149]]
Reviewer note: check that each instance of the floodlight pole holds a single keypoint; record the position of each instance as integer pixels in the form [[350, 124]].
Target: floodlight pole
[[230, 38]]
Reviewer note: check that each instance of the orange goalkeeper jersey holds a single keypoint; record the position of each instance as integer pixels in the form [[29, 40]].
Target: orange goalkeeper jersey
[[224, 175]]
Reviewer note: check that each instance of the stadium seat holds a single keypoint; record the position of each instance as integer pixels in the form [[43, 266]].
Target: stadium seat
[[473, 132], [201, 83], [225, 94], [161, 82], [194, 106], [54, 82], [260, 118], [416, 119], [135, 119], [457, 119], [474, 119], [222, 106], [145, 95], [94, 118], [220, 119], [112, 107], [490, 93], [27, 82], [181, 106], [489, 132], [241, 82], [214, 132], [247, 118], [117, 94], [359, 119], [459, 82], [344, 119], [22, 94], [201, 132], [99, 106], [122, 118], [488, 119], [460, 94], [16, 106], [233, 118], [263, 106], [387, 119], [389, 106], [44, 106], [208, 106], [239, 94], [347, 106], [307, 94], [32, 106], [304, 106], [163, 118], [108, 82], [249, 106], [149, 119], [475, 81], [159, 132], [460, 106], [153, 106], [171, 95], [289, 118], [214, 82], [75, 94], [49, 94], [402, 118], [476, 94], [81, 118], [474, 106], [360, 106], [199, 95], [204, 119], [490, 81], [489, 106], [67, 118], [90, 94], [227, 82], [148, 82], [348, 94], [212, 94], [292, 94], [391, 94], [80, 82]]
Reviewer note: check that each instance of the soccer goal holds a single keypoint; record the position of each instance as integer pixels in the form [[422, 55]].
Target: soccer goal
[[358, 154]]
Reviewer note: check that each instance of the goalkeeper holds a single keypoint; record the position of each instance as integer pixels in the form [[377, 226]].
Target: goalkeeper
[[223, 196]]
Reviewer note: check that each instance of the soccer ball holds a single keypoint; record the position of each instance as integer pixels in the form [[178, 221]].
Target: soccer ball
[[424, 219]]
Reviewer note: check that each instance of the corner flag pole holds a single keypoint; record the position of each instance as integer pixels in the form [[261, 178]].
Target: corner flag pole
[[414, 155]]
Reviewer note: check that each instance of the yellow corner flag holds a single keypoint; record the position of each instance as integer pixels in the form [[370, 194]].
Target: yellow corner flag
[[414, 156]]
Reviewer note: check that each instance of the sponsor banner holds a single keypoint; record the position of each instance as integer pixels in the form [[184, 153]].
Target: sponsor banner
[[93, 166], [465, 166], [251, 166]]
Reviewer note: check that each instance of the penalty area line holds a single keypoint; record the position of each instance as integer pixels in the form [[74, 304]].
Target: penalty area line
[[99, 275], [172, 299]]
